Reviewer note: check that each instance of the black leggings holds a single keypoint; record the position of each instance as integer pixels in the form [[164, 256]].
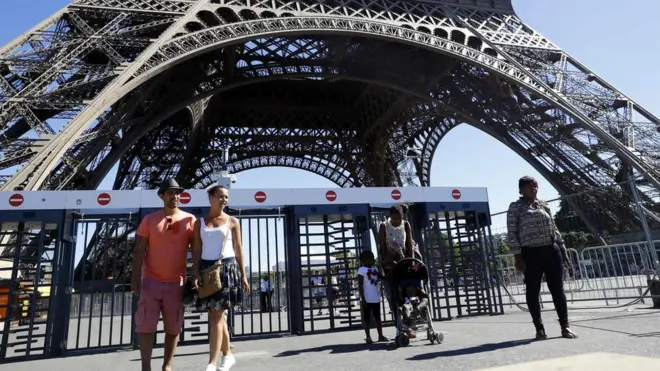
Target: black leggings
[[548, 260]]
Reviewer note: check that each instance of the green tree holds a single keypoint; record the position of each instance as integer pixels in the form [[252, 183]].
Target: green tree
[[609, 210], [578, 240], [348, 257], [441, 249], [501, 247]]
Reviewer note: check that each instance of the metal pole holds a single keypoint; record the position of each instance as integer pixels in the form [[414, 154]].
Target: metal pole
[[645, 226], [650, 214]]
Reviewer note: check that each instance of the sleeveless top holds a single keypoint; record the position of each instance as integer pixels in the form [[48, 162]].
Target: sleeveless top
[[213, 238], [395, 241]]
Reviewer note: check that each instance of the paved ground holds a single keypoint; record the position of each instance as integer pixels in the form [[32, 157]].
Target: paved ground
[[609, 340]]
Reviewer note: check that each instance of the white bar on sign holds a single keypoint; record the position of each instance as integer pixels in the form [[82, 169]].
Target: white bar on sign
[[103, 199], [32, 200], [239, 198]]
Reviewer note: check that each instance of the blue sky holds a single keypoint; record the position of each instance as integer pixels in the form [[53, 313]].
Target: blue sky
[[615, 41]]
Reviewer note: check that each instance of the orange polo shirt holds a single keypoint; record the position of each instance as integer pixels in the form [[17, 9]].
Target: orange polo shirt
[[169, 243]]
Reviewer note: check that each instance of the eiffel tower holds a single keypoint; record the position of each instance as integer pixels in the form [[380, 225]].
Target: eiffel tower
[[359, 92]]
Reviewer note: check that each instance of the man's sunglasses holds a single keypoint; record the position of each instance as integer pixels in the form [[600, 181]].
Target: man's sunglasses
[[168, 225]]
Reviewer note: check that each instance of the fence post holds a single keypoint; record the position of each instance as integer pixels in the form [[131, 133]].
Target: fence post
[[60, 311], [294, 272], [645, 226]]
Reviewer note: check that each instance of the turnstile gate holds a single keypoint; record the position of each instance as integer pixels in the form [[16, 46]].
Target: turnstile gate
[[330, 240], [65, 262], [457, 248]]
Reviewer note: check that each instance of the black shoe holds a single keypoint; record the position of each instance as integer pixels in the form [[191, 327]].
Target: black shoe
[[540, 334]]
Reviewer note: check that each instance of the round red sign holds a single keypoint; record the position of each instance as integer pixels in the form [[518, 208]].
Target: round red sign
[[184, 198], [396, 194], [456, 194], [16, 200], [260, 196], [331, 195], [103, 199]]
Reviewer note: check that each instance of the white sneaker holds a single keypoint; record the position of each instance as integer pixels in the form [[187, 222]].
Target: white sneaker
[[227, 362], [210, 367]]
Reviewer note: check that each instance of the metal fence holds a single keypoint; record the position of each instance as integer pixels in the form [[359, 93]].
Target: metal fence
[[597, 277], [596, 217], [607, 233], [100, 304]]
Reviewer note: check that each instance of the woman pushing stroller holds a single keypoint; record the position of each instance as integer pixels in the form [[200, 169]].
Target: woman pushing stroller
[[395, 242]]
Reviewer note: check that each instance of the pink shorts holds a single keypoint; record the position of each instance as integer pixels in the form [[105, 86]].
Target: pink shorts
[[156, 298]]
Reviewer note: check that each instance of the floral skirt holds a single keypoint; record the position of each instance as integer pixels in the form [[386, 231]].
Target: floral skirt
[[231, 287]]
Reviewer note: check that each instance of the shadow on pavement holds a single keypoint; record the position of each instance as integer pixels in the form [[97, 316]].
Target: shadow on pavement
[[176, 355], [338, 349], [472, 350], [647, 335]]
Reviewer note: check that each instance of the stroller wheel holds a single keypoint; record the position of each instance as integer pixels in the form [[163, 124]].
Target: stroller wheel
[[402, 340], [439, 337]]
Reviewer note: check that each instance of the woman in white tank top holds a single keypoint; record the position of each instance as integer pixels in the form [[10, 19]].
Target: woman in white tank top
[[218, 238]]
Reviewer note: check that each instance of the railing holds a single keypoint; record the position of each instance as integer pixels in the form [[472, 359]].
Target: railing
[[597, 217], [101, 304], [121, 303], [597, 277]]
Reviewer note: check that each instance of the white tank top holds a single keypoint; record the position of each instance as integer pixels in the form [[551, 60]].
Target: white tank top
[[213, 238]]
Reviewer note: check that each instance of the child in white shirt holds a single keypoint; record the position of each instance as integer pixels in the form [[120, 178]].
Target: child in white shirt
[[368, 281]]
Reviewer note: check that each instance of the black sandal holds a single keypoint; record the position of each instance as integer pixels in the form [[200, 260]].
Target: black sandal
[[541, 335], [369, 341], [566, 333]]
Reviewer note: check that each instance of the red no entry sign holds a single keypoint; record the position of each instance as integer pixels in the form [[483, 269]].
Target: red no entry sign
[[456, 194], [331, 195], [184, 198], [103, 199], [396, 194], [16, 200], [260, 196]]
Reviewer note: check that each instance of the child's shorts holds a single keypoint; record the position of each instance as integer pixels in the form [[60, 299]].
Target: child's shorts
[[371, 309]]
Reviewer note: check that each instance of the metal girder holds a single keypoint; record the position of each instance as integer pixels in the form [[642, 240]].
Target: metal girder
[[572, 125], [264, 73]]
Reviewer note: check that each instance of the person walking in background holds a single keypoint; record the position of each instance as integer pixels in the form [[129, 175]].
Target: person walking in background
[[217, 239], [158, 273], [334, 293], [538, 249], [368, 277], [266, 294], [319, 291]]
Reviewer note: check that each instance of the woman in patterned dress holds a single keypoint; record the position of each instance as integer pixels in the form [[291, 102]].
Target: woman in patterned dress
[[395, 242], [217, 238]]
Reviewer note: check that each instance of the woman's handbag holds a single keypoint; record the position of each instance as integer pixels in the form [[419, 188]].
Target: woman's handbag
[[212, 276]]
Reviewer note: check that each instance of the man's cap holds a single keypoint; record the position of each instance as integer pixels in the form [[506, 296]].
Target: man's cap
[[168, 184]]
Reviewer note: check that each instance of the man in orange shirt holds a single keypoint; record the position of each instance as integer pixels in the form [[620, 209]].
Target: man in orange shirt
[[163, 242]]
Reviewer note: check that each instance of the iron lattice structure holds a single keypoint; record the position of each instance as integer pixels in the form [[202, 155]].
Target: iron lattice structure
[[340, 88]]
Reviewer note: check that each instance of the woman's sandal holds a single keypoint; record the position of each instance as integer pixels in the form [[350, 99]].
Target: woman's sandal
[[383, 339], [369, 341], [541, 335], [566, 333]]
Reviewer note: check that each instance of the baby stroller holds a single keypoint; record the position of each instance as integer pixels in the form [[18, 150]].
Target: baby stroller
[[407, 272]]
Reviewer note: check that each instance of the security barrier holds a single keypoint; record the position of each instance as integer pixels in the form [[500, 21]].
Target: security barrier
[[65, 261]]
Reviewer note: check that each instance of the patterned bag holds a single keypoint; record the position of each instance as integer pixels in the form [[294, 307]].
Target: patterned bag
[[212, 276]]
